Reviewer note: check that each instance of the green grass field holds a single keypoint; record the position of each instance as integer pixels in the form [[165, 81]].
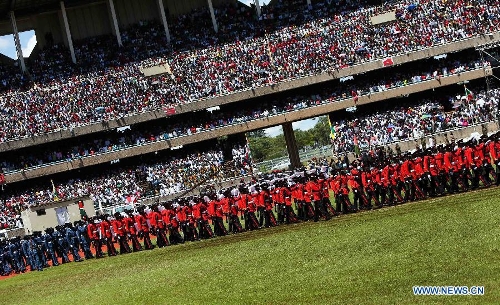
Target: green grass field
[[368, 258]]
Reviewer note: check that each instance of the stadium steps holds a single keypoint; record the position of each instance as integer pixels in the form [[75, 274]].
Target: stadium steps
[[474, 42], [245, 127]]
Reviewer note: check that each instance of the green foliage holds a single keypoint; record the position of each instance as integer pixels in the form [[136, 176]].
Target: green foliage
[[367, 258], [267, 148]]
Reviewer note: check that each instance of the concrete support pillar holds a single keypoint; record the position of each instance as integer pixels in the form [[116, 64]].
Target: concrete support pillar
[[257, 7], [19, 50], [291, 145], [212, 13], [115, 22], [163, 17], [68, 32]]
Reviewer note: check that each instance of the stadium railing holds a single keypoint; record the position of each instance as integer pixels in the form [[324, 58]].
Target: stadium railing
[[327, 106], [130, 119]]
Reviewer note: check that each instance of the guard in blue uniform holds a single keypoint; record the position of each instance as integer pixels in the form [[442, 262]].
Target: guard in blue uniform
[[49, 245], [15, 253], [61, 245], [73, 242], [81, 233]]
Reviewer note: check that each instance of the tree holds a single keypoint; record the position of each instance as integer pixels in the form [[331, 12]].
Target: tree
[[321, 131]]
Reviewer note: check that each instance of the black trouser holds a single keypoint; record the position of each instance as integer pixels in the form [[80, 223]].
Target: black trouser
[[454, 182], [476, 171], [465, 174], [288, 211], [308, 211], [235, 224], [270, 220], [300, 209], [319, 210], [488, 171], [148, 245], [252, 221], [175, 236], [338, 203], [136, 245], [98, 248], [204, 229], [357, 198], [110, 246], [190, 233], [219, 228], [383, 195], [124, 247], [260, 211], [280, 209], [327, 205], [161, 238]]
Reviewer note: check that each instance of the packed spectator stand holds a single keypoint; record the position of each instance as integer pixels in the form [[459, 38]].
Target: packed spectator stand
[[170, 176], [321, 191], [178, 126], [107, 83], [290, 41]]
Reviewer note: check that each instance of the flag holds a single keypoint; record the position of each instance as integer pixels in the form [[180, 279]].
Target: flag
[[54, 192], [81, 207], [469, 94], [388, 62], [356, 146], [332, 129], [131, 199], [169, 110]]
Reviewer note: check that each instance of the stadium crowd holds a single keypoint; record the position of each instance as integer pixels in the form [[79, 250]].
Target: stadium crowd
[[178, 126], [170, 175], [379, 178], [156, 177], [107, 83], [415, 121]]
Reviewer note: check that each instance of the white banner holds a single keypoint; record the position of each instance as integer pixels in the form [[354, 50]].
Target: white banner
[[62, 215]]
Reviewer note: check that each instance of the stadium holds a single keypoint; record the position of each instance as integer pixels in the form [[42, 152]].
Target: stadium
[[135, 167]]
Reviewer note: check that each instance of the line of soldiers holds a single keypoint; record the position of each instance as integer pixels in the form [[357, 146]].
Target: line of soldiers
[[375, 180], [34, 252], [445, 169]]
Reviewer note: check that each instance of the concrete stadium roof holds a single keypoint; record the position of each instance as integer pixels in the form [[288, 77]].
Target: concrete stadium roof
[[26, 8]]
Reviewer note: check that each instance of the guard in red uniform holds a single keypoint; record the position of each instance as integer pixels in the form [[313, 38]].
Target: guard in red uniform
[[314, 190], [253, 223], [94, 234], [161, 226], [106, 234], [219, 228], [234, 220], [191, 224], [355, 186], [143, 226], [279, 200], [406, 177], [242, 201], [298, 198], [269, 218], [121, 233], [325, 193], [334, 186], [289, 213], [132, 229], [173, 223], [260, 202]]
